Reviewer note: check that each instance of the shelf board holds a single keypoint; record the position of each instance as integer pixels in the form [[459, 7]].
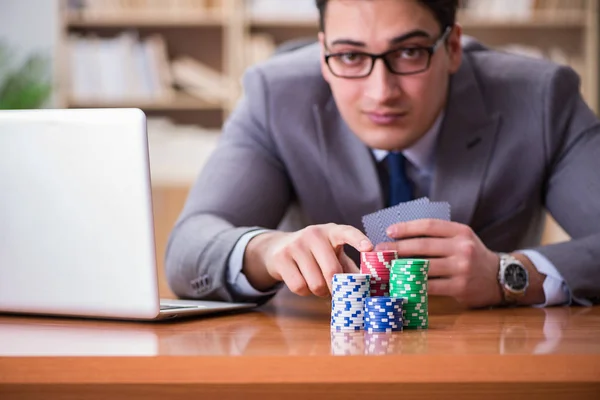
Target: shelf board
[[144, 19], [284, 22], [538, 20], [179, 102]]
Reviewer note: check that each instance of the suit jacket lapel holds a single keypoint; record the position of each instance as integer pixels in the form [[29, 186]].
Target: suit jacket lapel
[[464, 146], [350, 169]]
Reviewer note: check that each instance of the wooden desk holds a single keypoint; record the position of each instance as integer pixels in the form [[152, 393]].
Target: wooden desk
[[285, 349]]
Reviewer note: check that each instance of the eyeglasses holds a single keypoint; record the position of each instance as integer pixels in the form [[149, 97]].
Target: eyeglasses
[[400, 61]]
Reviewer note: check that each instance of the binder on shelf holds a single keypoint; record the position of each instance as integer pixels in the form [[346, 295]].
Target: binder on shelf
[[201, 81], [119, 70]]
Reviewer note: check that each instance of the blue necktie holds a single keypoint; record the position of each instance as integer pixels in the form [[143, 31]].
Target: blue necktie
[[400, 189]]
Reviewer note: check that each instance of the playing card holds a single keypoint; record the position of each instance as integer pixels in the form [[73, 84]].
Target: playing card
[[439, 210], [377, 223], [373, 228], [389, 216], [412, 212]]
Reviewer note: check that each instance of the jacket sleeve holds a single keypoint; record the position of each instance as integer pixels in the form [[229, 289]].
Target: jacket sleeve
[[243, 186], [572, 195]]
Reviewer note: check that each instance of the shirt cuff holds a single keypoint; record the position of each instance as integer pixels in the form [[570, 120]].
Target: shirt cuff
[[236, 278], [555, 288]]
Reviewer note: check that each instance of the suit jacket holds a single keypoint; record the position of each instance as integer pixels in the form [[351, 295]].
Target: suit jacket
[[517, 139]]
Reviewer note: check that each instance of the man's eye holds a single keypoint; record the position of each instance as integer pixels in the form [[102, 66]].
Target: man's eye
[[411, 53], [352, 58]]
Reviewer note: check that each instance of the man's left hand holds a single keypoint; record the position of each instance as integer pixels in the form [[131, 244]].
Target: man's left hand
[[466, 268]]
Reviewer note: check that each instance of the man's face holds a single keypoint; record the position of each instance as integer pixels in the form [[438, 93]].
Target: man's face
[[388, 111]]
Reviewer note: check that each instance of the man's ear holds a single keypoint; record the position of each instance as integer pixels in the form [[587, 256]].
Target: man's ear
[[324, 69], [454, 47]]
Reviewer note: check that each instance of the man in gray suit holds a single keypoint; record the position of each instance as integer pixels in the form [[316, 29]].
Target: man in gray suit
[[392, 104]]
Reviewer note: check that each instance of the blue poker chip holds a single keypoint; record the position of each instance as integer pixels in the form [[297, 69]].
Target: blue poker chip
[[345, 292], [382, 323], [351, 282], [340, 321], [351, 289], [348, 317], [382, 318], [382, 315], [351, 277], [346, 305], [354, 286], [348, 314], [382, 311], [350, 292], [372, 307], [385, 301], [355, 299], [388, 330], [345, 328], [382, 326], [348, 310], [344, 324], [348, 300], [383, 304]]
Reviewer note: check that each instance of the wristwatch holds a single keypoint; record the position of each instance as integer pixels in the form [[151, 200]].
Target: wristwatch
[[513, 278]]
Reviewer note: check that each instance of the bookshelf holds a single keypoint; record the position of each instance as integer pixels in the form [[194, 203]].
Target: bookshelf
[[145, 39], [229, 35]]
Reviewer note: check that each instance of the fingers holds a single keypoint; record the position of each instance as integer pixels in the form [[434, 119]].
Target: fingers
[[426, 227], [314, 272], [327, 261], [344, 234], [348, 266], [442, 287], [441, 268], [420, 247], [293, 278], [308, 261]]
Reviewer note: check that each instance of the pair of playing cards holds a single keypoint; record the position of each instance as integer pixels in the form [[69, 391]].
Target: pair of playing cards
[[376, 224]]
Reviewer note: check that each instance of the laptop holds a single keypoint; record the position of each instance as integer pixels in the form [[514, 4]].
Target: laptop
[[76, 222]]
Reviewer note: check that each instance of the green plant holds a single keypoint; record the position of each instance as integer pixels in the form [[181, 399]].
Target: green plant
[[26, 85]]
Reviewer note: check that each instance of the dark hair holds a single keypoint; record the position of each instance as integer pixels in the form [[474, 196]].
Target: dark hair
[[443, 10]]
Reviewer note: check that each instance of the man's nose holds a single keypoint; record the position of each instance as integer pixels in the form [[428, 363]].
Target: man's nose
[[381, 83]]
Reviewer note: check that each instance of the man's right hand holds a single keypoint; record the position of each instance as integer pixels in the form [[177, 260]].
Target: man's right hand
[[305, 261]]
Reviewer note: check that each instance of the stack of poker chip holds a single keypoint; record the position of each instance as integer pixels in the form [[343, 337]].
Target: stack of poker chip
[[383, 314], [349, 292], [408, 280], [378, 264]]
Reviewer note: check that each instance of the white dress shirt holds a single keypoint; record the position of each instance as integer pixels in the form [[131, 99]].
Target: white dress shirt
[[420, 170]]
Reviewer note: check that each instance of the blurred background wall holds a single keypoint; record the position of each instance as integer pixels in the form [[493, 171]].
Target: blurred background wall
[[181, 62]]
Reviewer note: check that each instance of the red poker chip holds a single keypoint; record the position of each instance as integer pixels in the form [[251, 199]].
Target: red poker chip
[[375, 265], [382, 253]]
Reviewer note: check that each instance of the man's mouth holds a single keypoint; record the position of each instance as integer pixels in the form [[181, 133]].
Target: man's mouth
[[385, 117]]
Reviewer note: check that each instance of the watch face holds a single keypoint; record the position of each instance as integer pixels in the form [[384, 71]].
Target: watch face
[[515, 277]]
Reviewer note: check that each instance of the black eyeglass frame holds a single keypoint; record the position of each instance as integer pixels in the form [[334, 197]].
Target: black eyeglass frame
[[374, 57]]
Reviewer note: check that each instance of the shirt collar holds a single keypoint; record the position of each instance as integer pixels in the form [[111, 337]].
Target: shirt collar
[[421, 154]]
